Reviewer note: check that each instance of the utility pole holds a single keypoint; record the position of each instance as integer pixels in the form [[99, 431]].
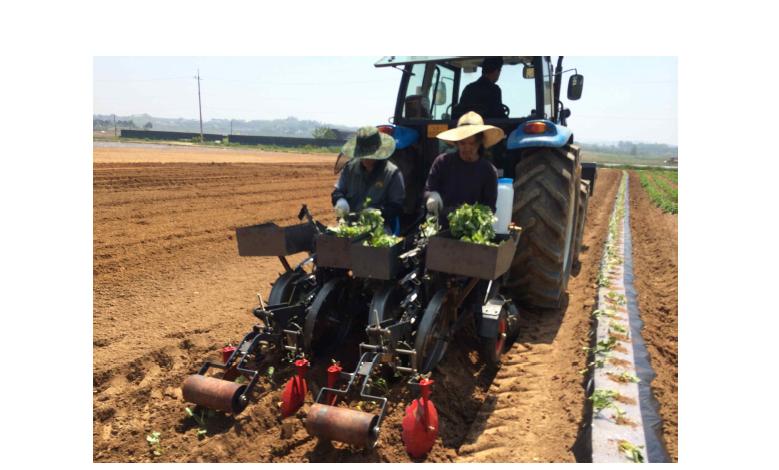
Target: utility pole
[[114, 125], [199, 105]]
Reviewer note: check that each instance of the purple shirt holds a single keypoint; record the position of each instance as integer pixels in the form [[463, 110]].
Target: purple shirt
[[461, 182]]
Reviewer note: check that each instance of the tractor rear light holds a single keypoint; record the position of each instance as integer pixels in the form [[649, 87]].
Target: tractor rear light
[[536, 127], [389, 130]]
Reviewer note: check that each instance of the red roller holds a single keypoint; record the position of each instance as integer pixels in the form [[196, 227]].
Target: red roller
[[295, 390], [215, 394], [420, 425], [333, 423]]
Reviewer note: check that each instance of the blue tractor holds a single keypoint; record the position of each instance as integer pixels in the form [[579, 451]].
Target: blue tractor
[[551, 185]]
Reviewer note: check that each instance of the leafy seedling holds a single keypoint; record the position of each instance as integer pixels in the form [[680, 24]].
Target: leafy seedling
[[628, 377], [200, 420], [618, 327], [603, 279], [381, 386], [602, 398], [631, 451], [473, 223], [153, 440]]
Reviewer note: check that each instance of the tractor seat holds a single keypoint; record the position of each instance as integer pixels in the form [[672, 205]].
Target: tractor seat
[[417, 107]]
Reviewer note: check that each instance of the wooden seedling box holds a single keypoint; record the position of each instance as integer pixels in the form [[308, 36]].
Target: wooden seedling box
[[333, 251], [271, 240], [449, 255], [376, 262]]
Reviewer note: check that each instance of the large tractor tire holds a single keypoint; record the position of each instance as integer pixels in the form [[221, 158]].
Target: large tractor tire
[[581, 217], [546, 189]]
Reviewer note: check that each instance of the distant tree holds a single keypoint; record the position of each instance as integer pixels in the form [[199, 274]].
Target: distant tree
[[147, 126], [634, 150], [324, 133]]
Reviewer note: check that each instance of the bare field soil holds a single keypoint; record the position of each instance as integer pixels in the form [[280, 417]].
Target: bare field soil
[[655, 268], [170, 290]]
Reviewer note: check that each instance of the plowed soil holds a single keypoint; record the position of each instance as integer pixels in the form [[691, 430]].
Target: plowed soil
[[655, 255], [170, 290]]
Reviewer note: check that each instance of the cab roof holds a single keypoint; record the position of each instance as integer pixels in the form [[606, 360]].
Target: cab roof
[[456, 61]]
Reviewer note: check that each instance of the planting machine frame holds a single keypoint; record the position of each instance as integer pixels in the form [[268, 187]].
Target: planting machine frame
[[408, 301]]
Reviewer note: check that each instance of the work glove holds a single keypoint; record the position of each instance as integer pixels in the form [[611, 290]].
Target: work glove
[[434, 203], [341, 208]]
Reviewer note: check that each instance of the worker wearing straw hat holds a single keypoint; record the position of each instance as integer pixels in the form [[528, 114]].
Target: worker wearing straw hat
[[463, 176]]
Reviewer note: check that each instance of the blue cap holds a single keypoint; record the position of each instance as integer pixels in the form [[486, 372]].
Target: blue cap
[[505, 181]]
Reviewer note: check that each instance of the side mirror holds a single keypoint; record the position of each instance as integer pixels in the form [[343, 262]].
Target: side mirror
[[440, 94], [575, 84], [528, 72]]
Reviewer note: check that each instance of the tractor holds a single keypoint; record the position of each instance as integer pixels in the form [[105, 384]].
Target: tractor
[[551, 185]]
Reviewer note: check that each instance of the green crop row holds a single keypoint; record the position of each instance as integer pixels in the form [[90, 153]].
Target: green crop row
[[663, 199], [666, 186]]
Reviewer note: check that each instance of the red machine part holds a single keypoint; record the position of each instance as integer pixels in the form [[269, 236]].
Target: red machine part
[[333, 372], [295, 390], [420, 425], [227, 351]]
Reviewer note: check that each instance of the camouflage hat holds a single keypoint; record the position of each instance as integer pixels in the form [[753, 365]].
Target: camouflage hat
[[369, 144]]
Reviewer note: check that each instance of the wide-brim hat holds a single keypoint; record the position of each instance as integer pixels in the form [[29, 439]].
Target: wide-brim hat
[[471, 124], [370, 144]]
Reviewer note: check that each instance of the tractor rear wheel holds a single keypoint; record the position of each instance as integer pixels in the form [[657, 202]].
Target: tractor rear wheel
[[581, 217], [546, 190]]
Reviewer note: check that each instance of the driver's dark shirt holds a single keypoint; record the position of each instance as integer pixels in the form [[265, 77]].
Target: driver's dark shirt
[[483, 97]]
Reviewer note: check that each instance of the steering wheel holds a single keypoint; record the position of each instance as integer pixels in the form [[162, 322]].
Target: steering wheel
[[506, 110]]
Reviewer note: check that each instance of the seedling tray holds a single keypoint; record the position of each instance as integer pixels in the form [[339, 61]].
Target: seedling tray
[[271, 240], [376, 262], [452, 256], [333, 251]]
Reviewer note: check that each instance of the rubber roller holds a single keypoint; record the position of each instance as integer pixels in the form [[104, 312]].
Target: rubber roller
[[214, 394], [340, 424]]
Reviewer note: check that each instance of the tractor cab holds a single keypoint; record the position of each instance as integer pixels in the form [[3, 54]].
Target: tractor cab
[[428, 103]]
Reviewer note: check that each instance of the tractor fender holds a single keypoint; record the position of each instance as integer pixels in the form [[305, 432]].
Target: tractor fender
[[488, 324], [556, 136], [404, 137]]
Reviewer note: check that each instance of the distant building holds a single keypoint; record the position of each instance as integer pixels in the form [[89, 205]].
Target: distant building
[[673, 161]]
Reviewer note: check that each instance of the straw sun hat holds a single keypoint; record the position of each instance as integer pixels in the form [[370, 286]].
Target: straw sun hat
[[471, 124]]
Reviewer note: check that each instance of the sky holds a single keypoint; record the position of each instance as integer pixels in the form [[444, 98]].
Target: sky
[[624, 98]]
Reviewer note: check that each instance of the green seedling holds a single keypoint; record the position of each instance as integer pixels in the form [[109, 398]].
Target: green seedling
[[631, 451], [605, 346], [473, 223], [200, 420], [241, 380], [618, 327], [269, 374], [602, 398], [603, 279], [381, 386], [153, 440], [611, 313], [597, 363], [628, 377]]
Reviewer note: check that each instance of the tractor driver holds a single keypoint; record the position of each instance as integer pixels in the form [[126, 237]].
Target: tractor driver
[[368, 174], [483, 96]]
